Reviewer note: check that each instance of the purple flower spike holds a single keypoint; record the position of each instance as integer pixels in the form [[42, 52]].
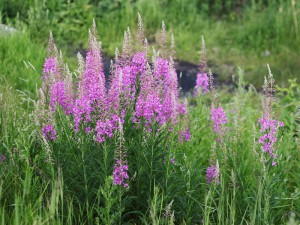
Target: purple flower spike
[[219, 118], [50, 65], [185, 135], [60, 96], [49, 132], [202, 82], [120, 173], [269, 129], [212, 174]]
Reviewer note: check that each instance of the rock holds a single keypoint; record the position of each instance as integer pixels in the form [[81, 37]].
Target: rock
[[4, 29]]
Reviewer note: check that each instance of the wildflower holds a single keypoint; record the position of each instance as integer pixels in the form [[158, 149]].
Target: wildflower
[[182, 108], [49, 132], [88, 130], [185, 135], [115, 92], [82, 111], [148, 105], [105, 129], [148, 108], [268, 126], [202, 82], [120, 173], [212, 174], [169, 110], [2, 158], [60, 96], [50, 66], [269, 130], [219, 118], [92, 83], [161, 68], [138, 63]]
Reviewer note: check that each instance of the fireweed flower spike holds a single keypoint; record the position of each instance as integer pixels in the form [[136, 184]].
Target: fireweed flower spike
[[212, 173], [217, 114], [184, 135], [92, 96], [202, 80], [49, 132], [268, 126], [60, 94], [219, 118], [120, 172]]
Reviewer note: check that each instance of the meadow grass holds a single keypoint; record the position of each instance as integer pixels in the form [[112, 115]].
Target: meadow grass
[[70, 181]]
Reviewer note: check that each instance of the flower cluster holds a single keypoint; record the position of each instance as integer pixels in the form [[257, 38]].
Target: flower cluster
[[49, 132], [184, 135], [202, 82], [144, 91], [218, 118], [212, 174], [59, 96], [50, 66], [105, 129], [120, 173], [269, 129], [158, 99], [268, 126]]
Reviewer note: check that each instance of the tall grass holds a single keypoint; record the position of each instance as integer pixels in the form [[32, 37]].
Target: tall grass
[[70, 181]]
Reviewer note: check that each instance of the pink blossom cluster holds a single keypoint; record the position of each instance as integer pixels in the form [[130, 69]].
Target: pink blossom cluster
[[218, 118], [212, 174], [158, 99], [49, 132], [202, 83], [184, 135], [147, 90], [269, 129], [50, 66], [59, 95], [144, 91], [120, 173], [105, 129]]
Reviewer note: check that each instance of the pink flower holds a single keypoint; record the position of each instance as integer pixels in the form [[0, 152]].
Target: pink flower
[[268, 139], [212, 174], [120, 173], [60, 96], [202, 82], [218, 118], [184, 135], [50, 65], [105, 129], [49, 132]]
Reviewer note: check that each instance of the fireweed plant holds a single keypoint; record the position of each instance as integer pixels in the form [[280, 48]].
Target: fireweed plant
[[139, 99], [128, 153], [269, 126], [204, 85]]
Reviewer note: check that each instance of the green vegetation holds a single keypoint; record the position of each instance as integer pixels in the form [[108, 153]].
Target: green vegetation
[[247, 34], [69, 181]]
